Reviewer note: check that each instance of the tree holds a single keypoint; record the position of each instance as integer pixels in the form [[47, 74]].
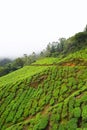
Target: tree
[[19, 63], [5, 61], [61, 43], [2, 71], [58, 48], [33, 57], [26, 59], [42, 54], [52, 49], [48, 50], [85, 30]]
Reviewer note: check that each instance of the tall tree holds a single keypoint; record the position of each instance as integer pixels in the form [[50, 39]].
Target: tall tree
[[85, 29], [48, 50], [62, 43]]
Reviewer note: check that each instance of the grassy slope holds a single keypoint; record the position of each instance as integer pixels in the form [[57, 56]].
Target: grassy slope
[[21, 74], [46, 97], [79, 55]]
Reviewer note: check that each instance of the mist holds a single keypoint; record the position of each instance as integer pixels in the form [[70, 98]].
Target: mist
[[28, 26]]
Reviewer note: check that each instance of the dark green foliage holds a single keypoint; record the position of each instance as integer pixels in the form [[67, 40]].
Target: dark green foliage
[[61, 127], [84, 113], [71, 106], [81, 37], [54, 127], [42, 123], [52, 101], [72, 124], [77, 112]]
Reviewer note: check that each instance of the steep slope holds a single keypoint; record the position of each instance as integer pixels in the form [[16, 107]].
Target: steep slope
[[78, 58], [51, 94], [53, 99]]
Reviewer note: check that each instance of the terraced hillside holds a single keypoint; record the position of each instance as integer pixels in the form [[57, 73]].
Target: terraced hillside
[[51, 94]]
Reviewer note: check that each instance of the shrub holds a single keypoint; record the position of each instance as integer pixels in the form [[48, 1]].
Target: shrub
[[10, 117], [63, 89], [55, 93], [71, 106], [84, 125], [64, 110], [61, 127], [51, 101], [55, 127], [42, 123], [71, 124], [77, 112], [55, 117], [84, 113], [26, 112]]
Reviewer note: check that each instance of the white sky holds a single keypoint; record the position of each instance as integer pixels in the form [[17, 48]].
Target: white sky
[[29, 25]]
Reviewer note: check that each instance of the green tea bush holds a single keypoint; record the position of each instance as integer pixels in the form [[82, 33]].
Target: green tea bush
[[71, 124], [55, 93], [64, 110], [77, 112], [41, 123], [52, 101], [54, 127], [10, 116], [84, 113], [62, 127], [63, 89], [55, 117], [71, 106]]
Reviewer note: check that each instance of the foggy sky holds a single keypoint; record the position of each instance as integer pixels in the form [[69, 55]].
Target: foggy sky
[[29, 25]]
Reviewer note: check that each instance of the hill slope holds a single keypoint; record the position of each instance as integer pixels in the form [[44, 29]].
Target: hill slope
[[51, 94]]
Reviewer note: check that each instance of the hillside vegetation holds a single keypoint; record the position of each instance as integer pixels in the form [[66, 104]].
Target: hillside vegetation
[[50, 94]]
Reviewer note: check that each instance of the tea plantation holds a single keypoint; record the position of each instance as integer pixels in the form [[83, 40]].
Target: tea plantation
[[50, 94]]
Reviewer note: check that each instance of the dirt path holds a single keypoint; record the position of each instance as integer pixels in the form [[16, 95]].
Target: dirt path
[[62, 64]]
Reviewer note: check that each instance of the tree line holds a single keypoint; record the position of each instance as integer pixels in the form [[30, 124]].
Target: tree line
[[61, 47]]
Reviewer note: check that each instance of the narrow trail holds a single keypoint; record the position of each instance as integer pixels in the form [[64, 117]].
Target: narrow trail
[[72, 64], [44, 65], [63, 64]]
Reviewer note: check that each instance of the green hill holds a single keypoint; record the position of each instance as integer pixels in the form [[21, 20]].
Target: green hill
[[50, 94]]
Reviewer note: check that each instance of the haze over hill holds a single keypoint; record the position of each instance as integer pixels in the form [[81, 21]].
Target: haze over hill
[[27, 26], [61, 48]]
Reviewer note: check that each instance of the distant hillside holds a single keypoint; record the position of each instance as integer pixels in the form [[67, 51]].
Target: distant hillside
[[49, 94], [60, 49]]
